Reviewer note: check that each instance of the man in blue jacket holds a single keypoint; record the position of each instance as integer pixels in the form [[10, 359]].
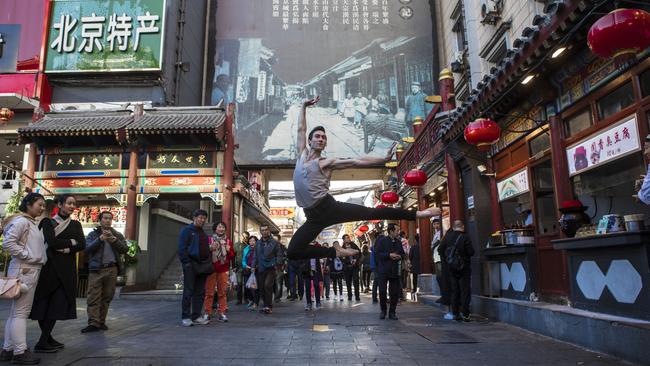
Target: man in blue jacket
[[388, 254], [193, 249], [266, 258]]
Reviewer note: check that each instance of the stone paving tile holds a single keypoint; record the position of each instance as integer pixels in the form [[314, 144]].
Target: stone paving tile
[[149, 333]]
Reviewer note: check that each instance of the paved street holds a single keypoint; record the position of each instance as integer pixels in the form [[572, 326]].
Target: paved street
[[148, 333]]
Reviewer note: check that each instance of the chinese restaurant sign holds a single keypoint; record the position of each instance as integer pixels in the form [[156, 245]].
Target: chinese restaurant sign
[[370, 61], [83, 162], [513, 186], [94, 35], [193, 159], [282, 212], [613, 143]]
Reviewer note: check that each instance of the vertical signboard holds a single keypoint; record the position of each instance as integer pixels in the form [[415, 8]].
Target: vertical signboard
[[96, 35], [370, 61]]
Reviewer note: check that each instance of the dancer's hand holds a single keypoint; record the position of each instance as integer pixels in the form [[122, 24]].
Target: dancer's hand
[[311, 102]]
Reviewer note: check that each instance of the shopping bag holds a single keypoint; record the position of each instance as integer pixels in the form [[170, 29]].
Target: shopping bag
[[252, 282], [233, 279]]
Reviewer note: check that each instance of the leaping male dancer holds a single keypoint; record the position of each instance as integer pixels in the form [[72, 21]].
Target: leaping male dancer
[[311, 180]]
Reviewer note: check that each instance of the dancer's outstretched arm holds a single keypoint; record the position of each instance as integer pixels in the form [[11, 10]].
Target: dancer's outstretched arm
[[301, 137], [360, 162]]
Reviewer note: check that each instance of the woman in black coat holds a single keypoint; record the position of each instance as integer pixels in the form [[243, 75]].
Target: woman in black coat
[[55, 297]]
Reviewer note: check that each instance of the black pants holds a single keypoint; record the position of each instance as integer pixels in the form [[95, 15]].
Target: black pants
[[393, 285], [193, 293], [365, 279], [442, 276], [337, 280], [265, 281], [250, 295], [240, 287], [315, 280], [414, 289], [329, 212], [352, 278], [375, 286], [326, 285], [460, 292], [295, 279]]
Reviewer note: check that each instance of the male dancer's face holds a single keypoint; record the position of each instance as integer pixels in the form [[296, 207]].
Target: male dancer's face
[[318, 141]]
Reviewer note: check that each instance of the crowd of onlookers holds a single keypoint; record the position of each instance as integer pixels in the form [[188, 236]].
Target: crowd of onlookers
[[260, 271]]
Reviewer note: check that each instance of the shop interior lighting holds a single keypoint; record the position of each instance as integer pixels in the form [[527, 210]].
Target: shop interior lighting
[[441, 188], [558, 52], [432, 194], [527, 79]]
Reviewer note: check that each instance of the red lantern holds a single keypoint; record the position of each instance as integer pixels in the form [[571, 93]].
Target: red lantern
[[364, 228], [620, 34], [389, 197], [483, 133], [415, 178], [6, 114]]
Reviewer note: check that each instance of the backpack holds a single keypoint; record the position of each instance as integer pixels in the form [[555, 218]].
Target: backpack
[[454, 260], [338, 264]]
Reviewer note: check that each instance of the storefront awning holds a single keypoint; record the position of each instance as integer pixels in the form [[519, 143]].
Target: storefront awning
[[76, 129], [180, 125], [251, 211]]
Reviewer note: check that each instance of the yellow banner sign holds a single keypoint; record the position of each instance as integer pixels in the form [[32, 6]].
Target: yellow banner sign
[[282, 212]]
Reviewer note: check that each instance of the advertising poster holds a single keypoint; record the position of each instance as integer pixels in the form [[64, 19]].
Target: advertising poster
[[370, 61]]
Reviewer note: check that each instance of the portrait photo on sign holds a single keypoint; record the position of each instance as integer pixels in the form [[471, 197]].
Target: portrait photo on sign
[[370, 62]]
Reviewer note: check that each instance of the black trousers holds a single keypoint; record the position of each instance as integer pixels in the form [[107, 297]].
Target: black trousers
[[337, 280], [265, 281], [442, 276], [365, 279], [250, 295], [415, 282], [375, 285], [392, 285], [352, 278], [460, 292], [329, 212], [193, 293]]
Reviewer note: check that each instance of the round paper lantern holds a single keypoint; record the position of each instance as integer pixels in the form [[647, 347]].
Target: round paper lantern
[[364, 228], [6, 114], [621, 33], [415, 178], [483, 133], [389, 197]]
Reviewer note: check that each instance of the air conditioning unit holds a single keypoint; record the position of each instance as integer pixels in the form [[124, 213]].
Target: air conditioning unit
[[490, 11], [458, 62]]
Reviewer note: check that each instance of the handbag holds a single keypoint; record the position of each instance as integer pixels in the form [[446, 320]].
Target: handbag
[[202, 267], [9, 288]]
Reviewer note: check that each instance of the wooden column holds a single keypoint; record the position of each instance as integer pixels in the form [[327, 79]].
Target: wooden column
[[228, 166], [561, 180], [132, 195], [425, 235], [454, 189]]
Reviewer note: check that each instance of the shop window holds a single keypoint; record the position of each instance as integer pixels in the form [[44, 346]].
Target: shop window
[[516, 211], [615, 101], [609, 189], [645, 83], [545, 210], [579, 122], [540, 143]]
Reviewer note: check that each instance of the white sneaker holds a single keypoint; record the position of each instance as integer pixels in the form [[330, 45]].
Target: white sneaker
[[186, 322], [448, 316], [223, 318], [308, 307], [206, 317], [200, 321]]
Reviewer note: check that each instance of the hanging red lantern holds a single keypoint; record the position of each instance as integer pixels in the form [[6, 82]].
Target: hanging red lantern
[[621, 34], [483, 133], [6, 114], [389, 197], [364, 228], [415, 178]]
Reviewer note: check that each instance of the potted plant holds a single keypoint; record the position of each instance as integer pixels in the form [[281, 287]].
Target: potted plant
[[130, 260]]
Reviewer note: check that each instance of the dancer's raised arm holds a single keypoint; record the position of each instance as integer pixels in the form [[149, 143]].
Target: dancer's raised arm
[[301, 137]]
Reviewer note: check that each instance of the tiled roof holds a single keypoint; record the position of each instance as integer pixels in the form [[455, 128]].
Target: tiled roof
[[77, 124], [178, 121]]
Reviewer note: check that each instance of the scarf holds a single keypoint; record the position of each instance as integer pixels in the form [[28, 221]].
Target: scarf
[[220, 254], [61, 224]]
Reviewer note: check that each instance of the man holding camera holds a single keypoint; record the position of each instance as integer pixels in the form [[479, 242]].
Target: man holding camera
[[104, 247]]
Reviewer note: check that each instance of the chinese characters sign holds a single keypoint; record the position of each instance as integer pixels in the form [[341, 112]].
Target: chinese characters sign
[[193, 159], [281, 212], [83, 162], [95, 35], [613, 143], [513, 185]]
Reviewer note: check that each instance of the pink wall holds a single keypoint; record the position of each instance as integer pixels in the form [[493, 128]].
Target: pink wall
[[30, 15]]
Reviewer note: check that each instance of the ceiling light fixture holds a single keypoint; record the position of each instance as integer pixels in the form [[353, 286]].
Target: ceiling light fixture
[[558, 52], [527, 79]]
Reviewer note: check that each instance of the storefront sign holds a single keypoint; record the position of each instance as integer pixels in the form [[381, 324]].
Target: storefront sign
[[513, 186], [88, 216], [82, 162], [94, 35], [192, 159], [611, 144], [282, 212]]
